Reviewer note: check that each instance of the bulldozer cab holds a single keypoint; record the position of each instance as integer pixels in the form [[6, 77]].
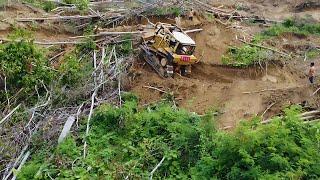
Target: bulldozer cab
[[184, 44], [173, 37]]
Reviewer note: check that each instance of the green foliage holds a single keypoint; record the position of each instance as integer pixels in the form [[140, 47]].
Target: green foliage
[[161, 11], [130, 142], [80, 4], [88, 44], [73, 71], [292, 26], [244, 56], [248, 55], [48, 6], [210, 17], [44, 4], [313, 53], [125, 48], [19, 33], [29, 171], [68, 149], [24, 66], [283, 149]]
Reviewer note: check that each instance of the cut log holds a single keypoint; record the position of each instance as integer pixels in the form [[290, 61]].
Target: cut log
[[57, 18], [193, 30], [66, 128], [8, 115]]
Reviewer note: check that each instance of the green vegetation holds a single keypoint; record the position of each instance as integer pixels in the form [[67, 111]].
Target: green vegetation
[[43, 4], [126, 47], [244, 56], [25, 68], [28, 72], [313, 53], [299, 27], [176, 11], [74, 71], [80, 4], [48, 6], [130, 142], [248, 55]]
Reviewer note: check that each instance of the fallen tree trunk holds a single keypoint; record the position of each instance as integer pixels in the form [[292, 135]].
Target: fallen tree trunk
[[57, 18]]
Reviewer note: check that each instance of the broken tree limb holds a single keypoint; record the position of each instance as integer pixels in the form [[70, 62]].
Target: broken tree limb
[[276, 89], [24, 160], [8, 115], [157, 89], [57, 55], [193, 30], [78, 114], [313, 121], [64, 42], [315, 92], [106, 33], [45, 43], [310, 113], [154, 170], [119, 76], [88, 121], [269, 107], [16, 162], [66, 129], [56, 18], [264, 47]]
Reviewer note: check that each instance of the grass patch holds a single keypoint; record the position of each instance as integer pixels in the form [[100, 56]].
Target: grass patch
[[244, 56], [311, 54], [299, 27], [45, 5]]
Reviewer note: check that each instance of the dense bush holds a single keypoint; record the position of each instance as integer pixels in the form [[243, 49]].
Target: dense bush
[[80, 4], [283, 149], [244, 56], [176, 11], [24, 66], [128, 142], [74, 71]]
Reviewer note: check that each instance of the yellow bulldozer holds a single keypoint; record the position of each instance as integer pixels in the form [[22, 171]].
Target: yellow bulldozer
[[168, 49]]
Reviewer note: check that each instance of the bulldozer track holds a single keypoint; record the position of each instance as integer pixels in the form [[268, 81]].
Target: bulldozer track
[[149, 57]]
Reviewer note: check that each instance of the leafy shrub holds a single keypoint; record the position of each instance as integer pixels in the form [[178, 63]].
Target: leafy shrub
[[244, 56], [125, 48], [24, 66], [29, 170], [72, 70], [88, 44], [313, 53], [81, 4], [68, 148], [176, 11], [283, 149], [48, 6]]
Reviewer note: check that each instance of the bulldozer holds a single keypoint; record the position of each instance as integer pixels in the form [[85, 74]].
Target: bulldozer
[[168, 49]]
